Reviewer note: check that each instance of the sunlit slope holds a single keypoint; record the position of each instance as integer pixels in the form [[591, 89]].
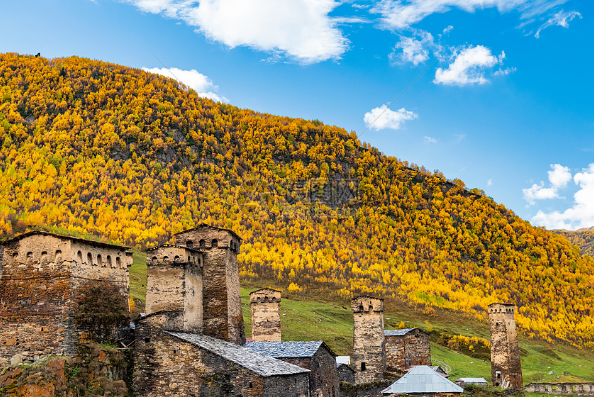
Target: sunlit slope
[[113, 151]]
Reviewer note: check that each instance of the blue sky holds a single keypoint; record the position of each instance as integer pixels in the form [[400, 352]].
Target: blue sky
[[505, 103]]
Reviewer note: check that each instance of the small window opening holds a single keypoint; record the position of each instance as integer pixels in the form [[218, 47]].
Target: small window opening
[[176, 259], [109, 262], [79, 256], [58, 257], [89, 259], [147, 340], [215, 243], [202, 243], [118, 262], [189, 244], [29, 255], [363, 366], [251, 386], [154, 259], [99, 260]]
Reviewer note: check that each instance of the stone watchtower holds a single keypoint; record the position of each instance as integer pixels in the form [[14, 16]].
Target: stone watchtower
[[369, 354], [266, 326], [222, 316], [506, 369], [174, 284]]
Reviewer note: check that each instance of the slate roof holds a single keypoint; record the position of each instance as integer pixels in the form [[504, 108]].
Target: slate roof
[[422, 379], [287, 349], [64, 237], [247, 358], [204, 225], [398, 332]]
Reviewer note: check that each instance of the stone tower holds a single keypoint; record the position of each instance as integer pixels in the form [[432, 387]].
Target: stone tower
[[506, 369], [174, 284], [222, 316], [266, 326], [369, 354]]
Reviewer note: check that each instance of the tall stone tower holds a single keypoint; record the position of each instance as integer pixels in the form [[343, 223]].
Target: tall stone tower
[[222, 317], [506, 369], [369, 353], [266, 326]]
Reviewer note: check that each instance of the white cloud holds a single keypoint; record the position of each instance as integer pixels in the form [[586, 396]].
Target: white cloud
[[468, 67], [490, 182], [559, 176], [428, 139], [581, 214], [299, 29], [193, 79], [414, 50], [504, 72], [399, 14], [382, 117], [562, 18]]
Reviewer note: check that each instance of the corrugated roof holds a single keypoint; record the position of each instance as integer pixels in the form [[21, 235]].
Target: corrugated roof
[[343, 360], [398, 332], [472, 380], [422, 379], [247, 358], [286, 349]]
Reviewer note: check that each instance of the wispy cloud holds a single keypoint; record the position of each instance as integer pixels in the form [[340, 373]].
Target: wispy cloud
[[413, 50], [299, 29], [429, 140], [559, 176], [581, 214], [490, 182], [383, 118], [562, 18], [468, 67], [193, 79]]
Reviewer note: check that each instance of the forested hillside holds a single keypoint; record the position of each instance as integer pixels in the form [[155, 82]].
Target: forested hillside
[[583, 238], [99, 148]]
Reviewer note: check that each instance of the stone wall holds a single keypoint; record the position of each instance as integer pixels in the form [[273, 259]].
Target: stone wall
[[223, 318], [403, 352], [266, 325], [167, 366], [369, 358], [323, 378], [506, 368], [576, 389], [346, 374]]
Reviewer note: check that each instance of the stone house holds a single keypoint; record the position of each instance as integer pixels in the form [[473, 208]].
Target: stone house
[[169, 363], [345, 373], [406, 348], [40, 274], [314, 356]]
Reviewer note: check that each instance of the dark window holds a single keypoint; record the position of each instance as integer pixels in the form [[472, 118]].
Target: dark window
[[215, 242], [118, 262], [189, 244], [363, 368], [99, 260], [109, 263], [89, 259], [147, 340], [202, 243], [58, 257], [29, 255], [176, 259]]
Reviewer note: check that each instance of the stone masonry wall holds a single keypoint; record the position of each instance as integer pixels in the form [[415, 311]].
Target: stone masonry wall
[[221, 295], [266, 323], [506, 369], [403, 352], [168, 366], [575, 389], [369, 358]]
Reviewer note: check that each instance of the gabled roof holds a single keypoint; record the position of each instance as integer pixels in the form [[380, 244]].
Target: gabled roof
[[398, 332], [287, 349], [422, 379], [204, 225], [82, 240], [247, 358], [173, 246]]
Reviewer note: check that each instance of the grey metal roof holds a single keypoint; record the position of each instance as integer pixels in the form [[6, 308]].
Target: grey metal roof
[[398, 332], [247, 358], [472, 380], [286, 349], [422, 379], [343, 360]]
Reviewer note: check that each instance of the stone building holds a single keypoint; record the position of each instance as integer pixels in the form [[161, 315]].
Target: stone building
[[266, 325], [506, 369], [40, 273], [345, 373], [175, 283], [222, 316], [406, 348], [369, 354], [170, 363], [314, 356]]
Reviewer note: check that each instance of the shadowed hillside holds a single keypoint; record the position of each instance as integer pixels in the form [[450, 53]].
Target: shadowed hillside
[[104, 149], [583, 238]]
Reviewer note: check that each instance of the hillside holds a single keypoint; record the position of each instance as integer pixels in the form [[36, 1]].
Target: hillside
[[98, 148], [583, 238]]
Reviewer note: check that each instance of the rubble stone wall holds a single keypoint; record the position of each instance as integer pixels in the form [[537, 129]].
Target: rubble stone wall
[[506, 368], [369, 357], [266, 323], [403, 352]]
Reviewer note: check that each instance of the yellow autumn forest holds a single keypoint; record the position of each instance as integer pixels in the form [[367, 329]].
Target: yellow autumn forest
[[102, 149]]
